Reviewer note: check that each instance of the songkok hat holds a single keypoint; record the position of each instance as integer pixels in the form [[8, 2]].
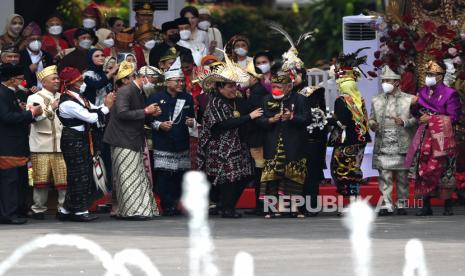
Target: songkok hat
[[92, 11], [47, 71], [150, 71], [174, 71], [388, 74], [125, 69], [31, 29], [181, 21], [143, 6], [204, 11], [169, 25], [8, 71], [435, 68], [8, 48], [170, 53]]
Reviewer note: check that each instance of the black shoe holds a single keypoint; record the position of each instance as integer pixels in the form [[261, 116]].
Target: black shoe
[[231, 214], [424, 212], [82, 218], [62, 216], [169, 212], [385, 213], [38, 216], [13, 221], [103, 208], [401, 212], [213, 211]]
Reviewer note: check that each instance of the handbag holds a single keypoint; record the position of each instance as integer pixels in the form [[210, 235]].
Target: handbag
[[98, 168]]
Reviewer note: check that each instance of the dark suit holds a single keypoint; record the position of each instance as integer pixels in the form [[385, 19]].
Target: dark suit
[[159, 50], [127, 118], [14, 141], [25, 60]]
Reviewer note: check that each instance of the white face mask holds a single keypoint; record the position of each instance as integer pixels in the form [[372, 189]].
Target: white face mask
[[430, 81], [278, 97], [82, 88], [204, 25], [265, 67], [149, 44], [35, 45], [387, 87], [148, 85], [241, 51], [85, 44], [88, 23], [16, 28], [185, 34], [55, 30], [109, 42]]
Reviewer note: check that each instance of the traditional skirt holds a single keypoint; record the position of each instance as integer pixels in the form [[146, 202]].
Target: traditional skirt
[[171, 161], [48, 169], [133, 189], [80, 184], [346, 168]]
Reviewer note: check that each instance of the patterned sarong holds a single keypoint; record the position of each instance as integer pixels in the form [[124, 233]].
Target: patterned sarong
[[133, 190], [346, 168]]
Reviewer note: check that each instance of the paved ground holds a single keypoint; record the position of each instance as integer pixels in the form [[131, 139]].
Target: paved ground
[[311, 246]]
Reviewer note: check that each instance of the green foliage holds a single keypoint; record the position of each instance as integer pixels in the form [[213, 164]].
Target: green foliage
[[324, 17]]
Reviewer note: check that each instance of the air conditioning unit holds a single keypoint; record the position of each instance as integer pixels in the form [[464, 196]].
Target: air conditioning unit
[[358, 32]]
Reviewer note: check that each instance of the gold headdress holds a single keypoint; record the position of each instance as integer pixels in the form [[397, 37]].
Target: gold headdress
[[47, 71], [433, 67], [125, 69]]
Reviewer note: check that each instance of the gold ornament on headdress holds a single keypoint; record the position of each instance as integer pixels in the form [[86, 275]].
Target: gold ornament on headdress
[[125, 69], [433, 67], [47, 71]]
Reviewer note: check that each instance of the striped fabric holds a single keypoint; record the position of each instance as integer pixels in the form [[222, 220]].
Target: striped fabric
[[133, 189]]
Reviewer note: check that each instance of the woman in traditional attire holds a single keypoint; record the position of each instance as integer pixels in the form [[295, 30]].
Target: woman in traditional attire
[[432, 153], [350, 134], [222, 155]]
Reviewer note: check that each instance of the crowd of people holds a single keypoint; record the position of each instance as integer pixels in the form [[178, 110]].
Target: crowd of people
[[124, 112]]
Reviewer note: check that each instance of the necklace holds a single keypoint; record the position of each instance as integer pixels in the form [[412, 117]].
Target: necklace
[[236, 113]]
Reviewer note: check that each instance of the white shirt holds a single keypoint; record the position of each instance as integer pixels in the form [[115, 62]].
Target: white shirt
[[73, 110], [37, 58], [201, 37], [198, 49]]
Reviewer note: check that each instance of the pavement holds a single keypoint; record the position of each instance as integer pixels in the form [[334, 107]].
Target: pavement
[[281, 246]]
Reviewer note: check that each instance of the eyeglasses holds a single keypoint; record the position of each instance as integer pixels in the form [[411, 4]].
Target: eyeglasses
[[177, 81]]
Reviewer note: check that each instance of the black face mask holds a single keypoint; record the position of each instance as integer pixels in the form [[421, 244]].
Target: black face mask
[[174, 38]]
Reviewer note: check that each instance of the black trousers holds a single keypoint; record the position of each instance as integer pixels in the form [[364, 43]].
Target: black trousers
[[9, 193], [312, 185], [229, 193], [169, 187]]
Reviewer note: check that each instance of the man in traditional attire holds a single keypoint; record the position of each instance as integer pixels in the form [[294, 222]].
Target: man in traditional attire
[[48, 165], [350, 134], [126, 135], [144, 10], [78, 115], [394, 127], [14, 144], [432, 151], [171, 137], [222, 154], [284, 120]]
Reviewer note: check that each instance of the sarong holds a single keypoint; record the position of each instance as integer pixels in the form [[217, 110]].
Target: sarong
[[48, 169], [133, 189], [346, 168]]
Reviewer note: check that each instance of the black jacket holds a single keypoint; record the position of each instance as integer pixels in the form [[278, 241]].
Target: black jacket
[[127, 118], [25, 61], [14, 125], [160, 49], [293, 131], [255, 132]]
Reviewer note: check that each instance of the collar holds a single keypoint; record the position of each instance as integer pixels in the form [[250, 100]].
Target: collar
[[32, 54], [45, 92], [135, 83]]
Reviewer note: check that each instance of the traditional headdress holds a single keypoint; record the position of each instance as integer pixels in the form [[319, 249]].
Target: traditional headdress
[[69, 76], [433, 67], [251, 70], [47, 71], [226, 72], [291, 61], [150, 71], [279, 75], [170, 53], [125, 69], [175, 70], [388, 74], [31, 29], [348, 63], [143, 6]]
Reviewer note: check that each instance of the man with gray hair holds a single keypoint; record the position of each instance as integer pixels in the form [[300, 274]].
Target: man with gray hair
[[394, 127]]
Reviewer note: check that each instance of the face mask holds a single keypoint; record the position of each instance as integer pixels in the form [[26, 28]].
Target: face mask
[[55, 30], [149, 44], [35, 45], [430, 81], [185, 34], [265, 68], [387, 87], [109, 42], [88, 23], [22, 86], [85, 44], [16, 28], [148, 85], [204, 25], [240, 51], [277, 93], [174, 38], [82, 88]]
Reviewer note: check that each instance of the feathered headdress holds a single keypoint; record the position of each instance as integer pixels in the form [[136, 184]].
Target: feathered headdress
[[348, 63], [291, 61]]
